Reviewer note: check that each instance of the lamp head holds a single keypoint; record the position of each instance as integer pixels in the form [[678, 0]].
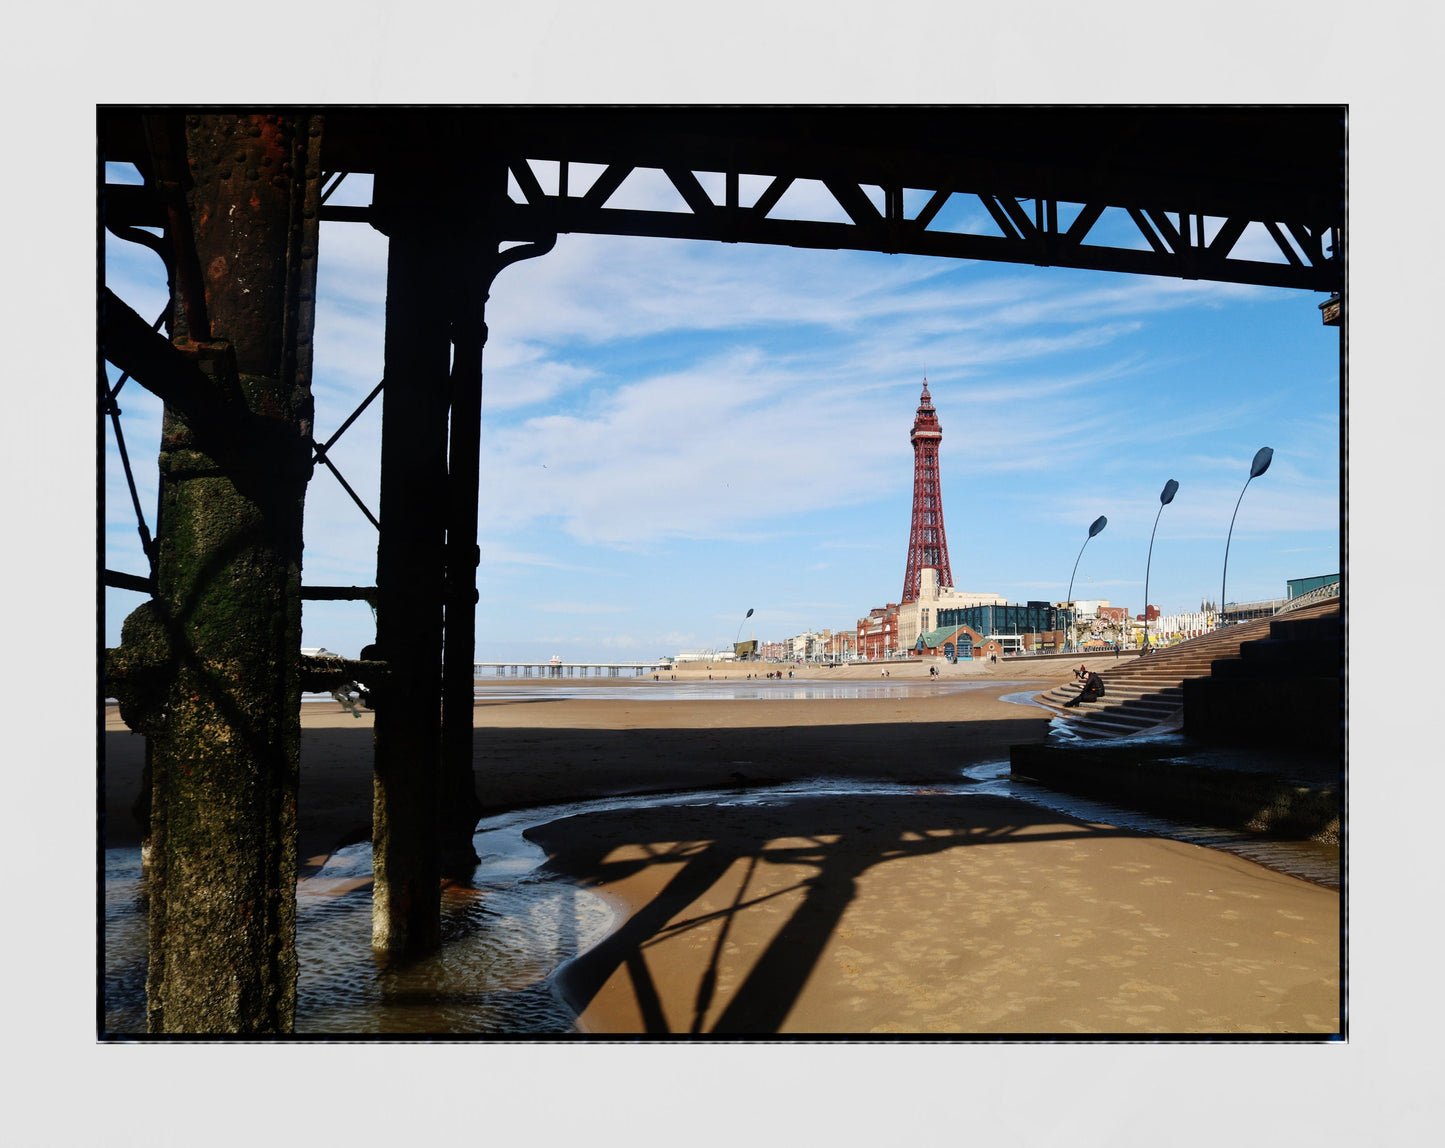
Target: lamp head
[[1166, 496], [1098, 525], [1261, 461]]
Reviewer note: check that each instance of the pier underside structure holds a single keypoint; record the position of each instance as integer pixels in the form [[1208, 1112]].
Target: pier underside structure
[[210, 668]]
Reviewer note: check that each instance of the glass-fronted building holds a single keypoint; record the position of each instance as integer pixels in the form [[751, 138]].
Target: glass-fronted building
[[1031, 618], [1297, 586]]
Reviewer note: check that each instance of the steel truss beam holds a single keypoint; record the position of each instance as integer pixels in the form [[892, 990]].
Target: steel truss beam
[[1181, 243], [1189, 182]]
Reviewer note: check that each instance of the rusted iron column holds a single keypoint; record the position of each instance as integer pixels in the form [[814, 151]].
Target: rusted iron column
[[459, 808], [443, 256], [410, 565], [476, 263], [209, 667]]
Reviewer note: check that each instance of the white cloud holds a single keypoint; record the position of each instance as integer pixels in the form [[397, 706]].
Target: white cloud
[[499, 554], [729, 443], [558, 607]]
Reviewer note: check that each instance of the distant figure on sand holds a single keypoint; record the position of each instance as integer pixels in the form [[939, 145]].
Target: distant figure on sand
[[1093, 689]]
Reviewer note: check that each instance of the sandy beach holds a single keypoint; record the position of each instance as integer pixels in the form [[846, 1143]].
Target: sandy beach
[[914, 911], [937, 914]]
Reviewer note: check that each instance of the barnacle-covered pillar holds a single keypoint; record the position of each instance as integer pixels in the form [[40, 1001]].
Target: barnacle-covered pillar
[[208, 668]]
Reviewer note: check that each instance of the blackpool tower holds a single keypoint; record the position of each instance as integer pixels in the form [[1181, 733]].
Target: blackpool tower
[[927, 544]]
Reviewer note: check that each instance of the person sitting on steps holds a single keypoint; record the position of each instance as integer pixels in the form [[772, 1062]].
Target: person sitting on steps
[[1093, 690]]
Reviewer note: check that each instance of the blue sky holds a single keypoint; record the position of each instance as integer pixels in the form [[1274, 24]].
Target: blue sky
[[675, 432]]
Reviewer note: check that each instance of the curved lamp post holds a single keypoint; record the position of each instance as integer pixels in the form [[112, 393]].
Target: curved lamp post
[[1095, 527], [1166, 496], [739, 634], [1262, 458]]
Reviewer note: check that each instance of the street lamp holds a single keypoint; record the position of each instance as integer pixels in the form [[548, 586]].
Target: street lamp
[[1262, 458], [1166, 496], [739, 634], [1097, 525]]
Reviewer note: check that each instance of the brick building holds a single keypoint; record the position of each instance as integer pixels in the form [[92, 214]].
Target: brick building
[[878, 632]]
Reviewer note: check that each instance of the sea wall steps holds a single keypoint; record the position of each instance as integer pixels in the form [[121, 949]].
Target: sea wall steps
[[1241, 728], [1147, 692], [1286, 689], [1282, 796]]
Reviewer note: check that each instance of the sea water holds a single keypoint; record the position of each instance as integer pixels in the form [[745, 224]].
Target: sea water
[[732, 690]]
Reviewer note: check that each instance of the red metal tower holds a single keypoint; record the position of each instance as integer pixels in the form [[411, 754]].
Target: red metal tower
[[927, 544]]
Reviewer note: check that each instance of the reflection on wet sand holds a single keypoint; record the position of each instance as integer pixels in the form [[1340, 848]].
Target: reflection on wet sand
[[765, 690]]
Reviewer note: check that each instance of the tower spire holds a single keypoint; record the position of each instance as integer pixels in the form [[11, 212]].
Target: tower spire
[[927, 543]]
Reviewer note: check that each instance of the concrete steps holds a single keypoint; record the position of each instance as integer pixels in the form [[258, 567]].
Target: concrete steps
[[1147, 692], [1285, 689]]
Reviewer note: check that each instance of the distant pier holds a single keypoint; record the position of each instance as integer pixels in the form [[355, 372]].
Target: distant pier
[[566, 669]]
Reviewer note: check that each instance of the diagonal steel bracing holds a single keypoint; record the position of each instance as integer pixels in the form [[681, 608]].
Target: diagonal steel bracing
[[1027, 230], [1186, 184]]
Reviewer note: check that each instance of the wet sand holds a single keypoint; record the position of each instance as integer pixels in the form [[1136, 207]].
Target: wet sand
[[537, 751], [937, 914], [911, 913]]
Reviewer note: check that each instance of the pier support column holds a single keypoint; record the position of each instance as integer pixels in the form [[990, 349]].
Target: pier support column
[[474, 255], [209, 667], [410, 565], [442, 259], [476, 262]]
